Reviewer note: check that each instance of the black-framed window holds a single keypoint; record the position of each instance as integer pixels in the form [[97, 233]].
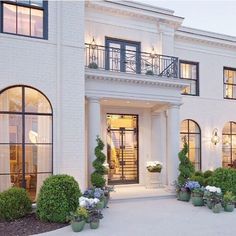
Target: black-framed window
[[190, 132], [122, 55], [229, 145], [229, 83], [25, 18], [190, 71], [26, 144]]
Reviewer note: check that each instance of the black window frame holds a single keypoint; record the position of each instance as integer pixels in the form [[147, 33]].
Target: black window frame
[[231, 149], [197, 93], [44, 8], [188, 133], [24, 114], [224, 83]]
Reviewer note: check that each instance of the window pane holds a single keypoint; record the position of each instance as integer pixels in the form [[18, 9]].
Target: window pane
[[37, 3], [11, 128], [11, 100], [23, 20], [38, 158], [226, 129], [38, 129], [9, 18], [193, 127], [184, 126], [23, 1], [36, 102], [36, 23]]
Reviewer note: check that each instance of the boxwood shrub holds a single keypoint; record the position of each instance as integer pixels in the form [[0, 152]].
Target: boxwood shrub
[[224, 178], [14, 203], [58, 196]]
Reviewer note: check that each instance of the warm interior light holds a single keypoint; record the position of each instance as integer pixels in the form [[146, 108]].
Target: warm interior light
[[215, 138], [33, 136], [93, 44]]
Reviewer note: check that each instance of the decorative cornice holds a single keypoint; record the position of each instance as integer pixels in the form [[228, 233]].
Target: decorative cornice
[[137, 10], [120, 77]]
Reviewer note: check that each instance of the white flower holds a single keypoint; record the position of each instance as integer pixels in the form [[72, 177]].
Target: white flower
[[213, 189], [153, 163]]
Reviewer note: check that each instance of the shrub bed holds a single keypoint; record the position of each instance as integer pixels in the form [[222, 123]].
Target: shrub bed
[[224, 178], [14, 203], [57, 198]]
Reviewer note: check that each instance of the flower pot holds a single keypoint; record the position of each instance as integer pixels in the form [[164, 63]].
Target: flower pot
[[77, 226], [209, 204], [216, 208], [229, 207], [94, 224], [184, 196], [197, 201], [100, 205]]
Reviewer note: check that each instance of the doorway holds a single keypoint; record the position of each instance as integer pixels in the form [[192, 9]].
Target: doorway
[[122, 148]]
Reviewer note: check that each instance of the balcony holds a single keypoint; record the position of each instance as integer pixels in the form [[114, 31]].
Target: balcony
[[132, 62]]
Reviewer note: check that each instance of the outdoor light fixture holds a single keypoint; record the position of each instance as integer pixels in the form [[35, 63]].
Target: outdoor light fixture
[[215, 138], [93, 44]]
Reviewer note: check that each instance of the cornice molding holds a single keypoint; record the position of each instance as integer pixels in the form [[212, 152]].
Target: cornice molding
[[92, 74], [128, 9]]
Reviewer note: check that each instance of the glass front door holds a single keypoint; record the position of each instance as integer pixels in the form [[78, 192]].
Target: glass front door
[[122, 148]]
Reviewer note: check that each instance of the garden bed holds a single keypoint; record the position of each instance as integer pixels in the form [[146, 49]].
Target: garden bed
[[27, 225]]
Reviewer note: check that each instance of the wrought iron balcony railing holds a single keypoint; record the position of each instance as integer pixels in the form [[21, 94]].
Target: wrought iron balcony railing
[[115, 59]]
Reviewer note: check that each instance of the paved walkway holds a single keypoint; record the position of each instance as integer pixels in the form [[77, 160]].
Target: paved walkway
[[152, 217]]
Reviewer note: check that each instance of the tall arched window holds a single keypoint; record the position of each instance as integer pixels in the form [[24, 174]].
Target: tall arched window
[[25, 139], [190, 131], [229, 144]]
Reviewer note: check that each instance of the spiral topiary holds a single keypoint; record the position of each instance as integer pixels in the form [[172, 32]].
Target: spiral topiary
[[97, 177], [186, 168]]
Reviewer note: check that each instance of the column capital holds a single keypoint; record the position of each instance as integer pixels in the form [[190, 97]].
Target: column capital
[[175, 105], [93, 99]]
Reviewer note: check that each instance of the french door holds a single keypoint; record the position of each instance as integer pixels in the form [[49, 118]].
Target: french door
[[122, 148], [123, 56]]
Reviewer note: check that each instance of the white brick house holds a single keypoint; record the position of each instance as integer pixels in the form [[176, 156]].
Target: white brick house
[[126, 71]]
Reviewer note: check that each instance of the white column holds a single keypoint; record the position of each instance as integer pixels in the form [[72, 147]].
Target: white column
[[94, 129], [172, 144]]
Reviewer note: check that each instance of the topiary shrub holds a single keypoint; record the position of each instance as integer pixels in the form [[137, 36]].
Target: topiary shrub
[[199, 179], [97, 177], [58, 196], [198, 173], [186, 168], [14, 203], [224, 178], [208, 173]]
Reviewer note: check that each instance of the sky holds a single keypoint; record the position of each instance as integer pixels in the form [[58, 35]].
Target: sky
[[211, 15]]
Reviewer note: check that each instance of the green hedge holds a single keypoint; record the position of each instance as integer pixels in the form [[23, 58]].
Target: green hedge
[[14, 203], [58, 196], [224, 178]]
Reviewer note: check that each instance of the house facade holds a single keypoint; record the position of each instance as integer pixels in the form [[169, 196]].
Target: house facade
[[126, 71]]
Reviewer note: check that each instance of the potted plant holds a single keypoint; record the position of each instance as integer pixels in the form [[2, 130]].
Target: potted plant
[[93, 65], [149, 72], [78, 219], [154, 166], [228, 201], [213, 197], [197, 196], [94, 218]]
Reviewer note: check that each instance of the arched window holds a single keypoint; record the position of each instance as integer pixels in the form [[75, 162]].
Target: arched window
[[25, 139], [229, 144], [190, 131]]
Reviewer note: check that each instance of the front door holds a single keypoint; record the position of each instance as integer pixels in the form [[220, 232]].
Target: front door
[[122, 148]]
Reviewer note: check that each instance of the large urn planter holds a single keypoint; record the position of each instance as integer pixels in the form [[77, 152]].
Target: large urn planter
[[217, 208], [197, 201], [78, 226], [229, 207], [94, 224], [184, 196]]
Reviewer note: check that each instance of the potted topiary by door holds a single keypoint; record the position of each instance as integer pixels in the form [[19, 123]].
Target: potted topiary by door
[[228, 201], [78, 219], [197, 196]]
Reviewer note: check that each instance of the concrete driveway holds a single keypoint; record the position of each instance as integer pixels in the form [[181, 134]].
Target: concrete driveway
[[156, 216]]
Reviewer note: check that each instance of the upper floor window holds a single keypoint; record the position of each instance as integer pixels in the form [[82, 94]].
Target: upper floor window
[[190, 71], [27, 18], [229, 83]]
